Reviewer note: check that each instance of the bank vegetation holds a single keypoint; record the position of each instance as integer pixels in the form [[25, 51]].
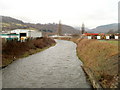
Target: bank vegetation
[[13, 50], [100, 61]]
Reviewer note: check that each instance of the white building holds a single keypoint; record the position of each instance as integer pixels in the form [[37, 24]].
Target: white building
[[107, 37], [98, 37], [89, 37], [9, 36], [116, 37], [27, 33]]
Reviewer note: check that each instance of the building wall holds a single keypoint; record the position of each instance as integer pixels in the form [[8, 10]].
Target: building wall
[[29, 33], [8, 36], [34, 34]]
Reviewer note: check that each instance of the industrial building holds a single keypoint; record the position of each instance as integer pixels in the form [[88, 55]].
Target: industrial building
[[21, 34]]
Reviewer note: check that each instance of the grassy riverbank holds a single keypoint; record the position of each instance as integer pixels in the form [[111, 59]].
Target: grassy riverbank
[[100, 61], [13, 50]]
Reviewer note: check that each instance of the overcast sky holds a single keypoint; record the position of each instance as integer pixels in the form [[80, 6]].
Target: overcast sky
[[71, 12]]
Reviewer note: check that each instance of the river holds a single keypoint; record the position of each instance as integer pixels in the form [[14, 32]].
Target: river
[[55, 67]]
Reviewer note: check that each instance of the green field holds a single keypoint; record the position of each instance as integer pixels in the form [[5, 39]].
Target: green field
[[114, 42]]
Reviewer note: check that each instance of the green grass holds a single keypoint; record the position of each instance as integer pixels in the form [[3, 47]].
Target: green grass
[[111, 41]]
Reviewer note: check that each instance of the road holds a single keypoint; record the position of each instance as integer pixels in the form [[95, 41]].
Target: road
[[56, 67]]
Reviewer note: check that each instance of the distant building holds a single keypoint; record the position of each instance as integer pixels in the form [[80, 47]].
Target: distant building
[[107, 37], [89, 37], [98, 37], [116, 37], [21, 34], [9, 36], [27, 33], [93, 35]]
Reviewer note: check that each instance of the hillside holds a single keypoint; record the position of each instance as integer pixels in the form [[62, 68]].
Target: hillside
[[86, 29], [10, 20], [52, 28], [106, 28], [9, 23], [109, 28]]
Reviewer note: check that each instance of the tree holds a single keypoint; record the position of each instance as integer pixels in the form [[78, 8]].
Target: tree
[[60, 29], [111, 31], [83, 28]]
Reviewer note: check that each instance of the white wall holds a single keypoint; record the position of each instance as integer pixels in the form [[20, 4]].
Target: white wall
[[89, 37], [34, 34], [107, 37], [98, 37], [116, 37], [17, 31], [29, 33]]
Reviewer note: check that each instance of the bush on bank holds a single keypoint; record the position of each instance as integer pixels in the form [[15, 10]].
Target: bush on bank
[[13, 50]]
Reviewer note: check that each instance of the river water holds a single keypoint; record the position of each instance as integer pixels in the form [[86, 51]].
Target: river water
[[56, 67]]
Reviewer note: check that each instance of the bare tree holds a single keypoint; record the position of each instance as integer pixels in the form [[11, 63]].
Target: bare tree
[[111, 31], [83, 28], [59, 29]]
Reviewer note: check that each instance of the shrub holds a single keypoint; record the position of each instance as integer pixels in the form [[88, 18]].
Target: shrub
[[12, 49]]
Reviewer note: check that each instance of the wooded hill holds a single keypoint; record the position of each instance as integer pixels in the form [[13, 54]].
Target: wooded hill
[[9, 23], [109, 28]]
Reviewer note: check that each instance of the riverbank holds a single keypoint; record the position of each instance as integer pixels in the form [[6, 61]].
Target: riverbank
[[13, 50], [100, 61], [48, 69]]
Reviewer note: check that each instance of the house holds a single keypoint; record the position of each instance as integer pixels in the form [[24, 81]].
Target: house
[[98, 37], [116, 37], [107, 37], [101, 36], [91, 35]]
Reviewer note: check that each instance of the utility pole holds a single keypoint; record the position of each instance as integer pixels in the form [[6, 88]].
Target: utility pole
[[83, 28], [59, 29]]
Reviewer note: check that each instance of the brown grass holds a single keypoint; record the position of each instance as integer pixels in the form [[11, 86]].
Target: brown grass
[[101, 58], [13, 50]]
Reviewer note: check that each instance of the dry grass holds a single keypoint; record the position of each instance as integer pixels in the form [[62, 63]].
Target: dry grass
[[101, 58], [13, 50]]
